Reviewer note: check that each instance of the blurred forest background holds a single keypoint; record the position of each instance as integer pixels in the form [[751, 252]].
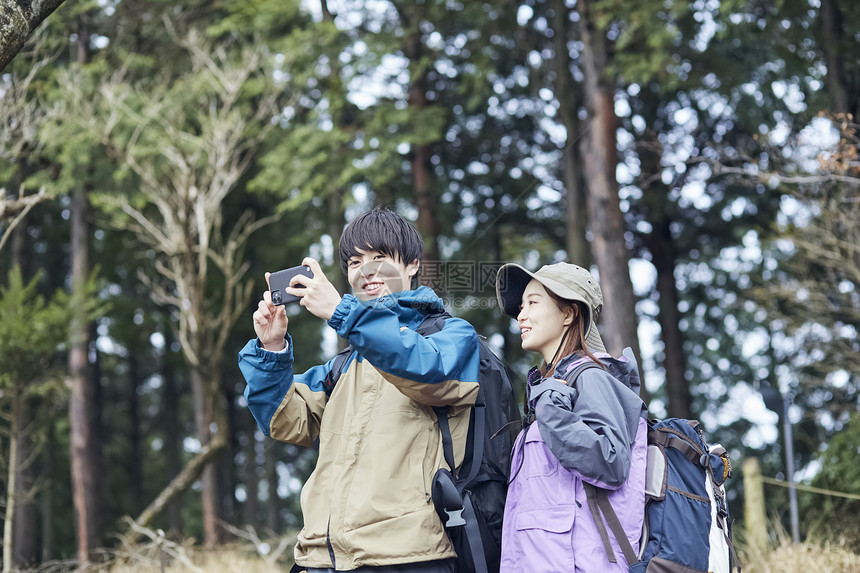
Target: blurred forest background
[[156, 158]]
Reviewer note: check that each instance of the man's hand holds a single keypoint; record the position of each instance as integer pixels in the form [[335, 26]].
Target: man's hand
[[270, 322], [319, 296]]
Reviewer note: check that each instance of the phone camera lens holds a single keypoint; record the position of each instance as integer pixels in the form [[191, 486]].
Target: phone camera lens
[[276, 297]]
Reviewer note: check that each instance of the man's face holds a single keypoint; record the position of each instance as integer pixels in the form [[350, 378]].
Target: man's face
[[373, 274]]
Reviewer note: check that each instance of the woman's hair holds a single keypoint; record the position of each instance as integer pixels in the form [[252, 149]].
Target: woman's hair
[[574, 338], [385, 232]]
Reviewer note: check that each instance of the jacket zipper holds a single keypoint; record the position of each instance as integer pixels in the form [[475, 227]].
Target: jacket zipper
[[328, 543]]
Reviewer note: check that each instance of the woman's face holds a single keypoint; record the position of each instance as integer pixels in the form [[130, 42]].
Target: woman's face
[[542, 323]]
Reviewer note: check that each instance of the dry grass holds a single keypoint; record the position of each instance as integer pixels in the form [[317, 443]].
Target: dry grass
[[785, 558], [146, 551], [811, 556], [158, 555], [221, 560]]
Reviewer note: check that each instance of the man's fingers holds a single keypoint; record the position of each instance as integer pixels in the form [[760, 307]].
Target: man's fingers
[[300, 280], [263, 308], [267, 280], [281, 314], [260, 319], [314, 266], [297, 291]]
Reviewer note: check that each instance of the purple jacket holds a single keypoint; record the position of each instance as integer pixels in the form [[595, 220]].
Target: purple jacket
[[592, 433]]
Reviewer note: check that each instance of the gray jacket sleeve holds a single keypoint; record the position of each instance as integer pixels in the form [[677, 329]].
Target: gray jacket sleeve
[[589, 428]]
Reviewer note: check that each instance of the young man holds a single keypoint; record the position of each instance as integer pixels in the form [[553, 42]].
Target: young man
[[367, 504]]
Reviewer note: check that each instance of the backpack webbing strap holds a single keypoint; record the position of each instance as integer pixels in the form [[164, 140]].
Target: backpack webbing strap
[[337, 367], [572, 376], [445, 430], [431, 324], [598, 502], [683, 443], [473, 535], [476, 427], [591, 496], [598, 498]]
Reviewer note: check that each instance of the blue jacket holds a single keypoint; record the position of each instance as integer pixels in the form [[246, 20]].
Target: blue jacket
[[368, 500]]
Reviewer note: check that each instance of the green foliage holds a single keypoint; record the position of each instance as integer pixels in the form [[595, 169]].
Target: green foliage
[[837, 516], [31, 331]]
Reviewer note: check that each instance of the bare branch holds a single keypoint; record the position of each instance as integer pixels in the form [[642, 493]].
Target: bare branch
[[25, 204], [184, 479]]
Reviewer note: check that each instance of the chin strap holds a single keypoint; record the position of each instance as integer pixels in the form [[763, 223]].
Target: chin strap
[[551, 364]]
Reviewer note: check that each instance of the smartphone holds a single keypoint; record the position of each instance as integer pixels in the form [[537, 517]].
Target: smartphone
[[279, 281]]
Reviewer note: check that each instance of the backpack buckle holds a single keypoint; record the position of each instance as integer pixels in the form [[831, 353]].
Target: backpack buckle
[[455, 518]]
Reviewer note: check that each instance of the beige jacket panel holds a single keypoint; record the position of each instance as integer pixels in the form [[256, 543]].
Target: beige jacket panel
[[370, 491]]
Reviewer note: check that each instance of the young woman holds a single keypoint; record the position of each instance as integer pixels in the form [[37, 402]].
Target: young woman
[[587, 442]]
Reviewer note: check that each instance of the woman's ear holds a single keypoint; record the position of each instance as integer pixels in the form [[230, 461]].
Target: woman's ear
[[570, 313]]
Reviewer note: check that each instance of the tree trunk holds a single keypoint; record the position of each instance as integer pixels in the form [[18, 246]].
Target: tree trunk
[[273, 505], [49, 455], [202, 420], [843, 95], [619, 324], [19, 243], [576, 209], [11, 488], [252, 481], [135, 459], [18, 19], [680, 401], [24, 527], [226, 470], [84, 463], [664, 258], [422, 174], [336, 213], [172, 434], [19, 548], [84, 482], [336, 219]]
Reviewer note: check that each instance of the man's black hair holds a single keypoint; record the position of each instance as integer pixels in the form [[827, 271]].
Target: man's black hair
[[383, 231]]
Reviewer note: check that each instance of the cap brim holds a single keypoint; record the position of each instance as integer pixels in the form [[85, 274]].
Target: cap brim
[[512, 280]]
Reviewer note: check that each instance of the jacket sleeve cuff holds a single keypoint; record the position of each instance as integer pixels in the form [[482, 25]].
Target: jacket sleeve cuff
[[273, 361], [343, 308]]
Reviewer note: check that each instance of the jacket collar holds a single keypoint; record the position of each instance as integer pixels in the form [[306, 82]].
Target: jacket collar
[[410, 306]]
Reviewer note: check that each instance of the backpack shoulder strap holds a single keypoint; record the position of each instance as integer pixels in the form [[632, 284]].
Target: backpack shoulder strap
[[598, 498], [337, 367], [432, 323], [572, 376], [671, 438], [598, 502]]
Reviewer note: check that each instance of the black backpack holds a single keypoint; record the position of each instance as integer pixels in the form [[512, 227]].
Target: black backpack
[[471, 500]]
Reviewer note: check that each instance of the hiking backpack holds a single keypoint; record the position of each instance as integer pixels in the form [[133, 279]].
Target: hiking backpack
[[686, 527], [470, 500]]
